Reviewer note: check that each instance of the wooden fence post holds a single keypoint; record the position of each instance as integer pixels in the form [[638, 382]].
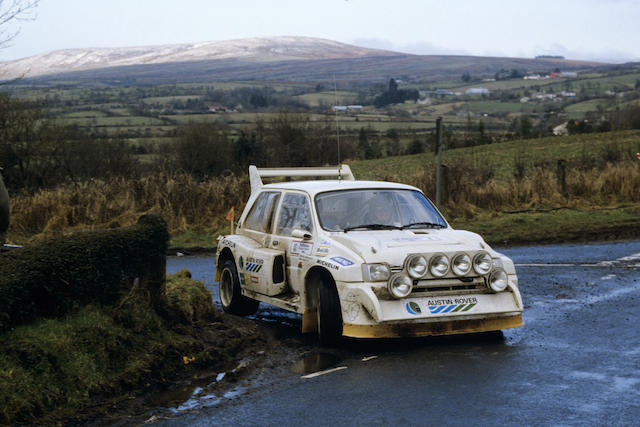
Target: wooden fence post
[[562, 176]]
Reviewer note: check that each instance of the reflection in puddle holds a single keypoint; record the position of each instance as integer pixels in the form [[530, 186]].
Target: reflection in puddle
[[197, 394], [314, 362]]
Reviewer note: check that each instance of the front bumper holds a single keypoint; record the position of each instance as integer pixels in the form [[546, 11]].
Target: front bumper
[[438, 327], [366, 316]]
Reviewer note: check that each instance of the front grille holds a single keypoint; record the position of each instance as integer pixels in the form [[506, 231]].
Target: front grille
[[449, 286]]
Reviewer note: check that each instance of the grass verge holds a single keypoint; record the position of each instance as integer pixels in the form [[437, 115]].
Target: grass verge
[[554, 225], [54, 369]]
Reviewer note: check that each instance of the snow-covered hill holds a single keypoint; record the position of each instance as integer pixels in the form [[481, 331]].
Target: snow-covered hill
[[254, 49]]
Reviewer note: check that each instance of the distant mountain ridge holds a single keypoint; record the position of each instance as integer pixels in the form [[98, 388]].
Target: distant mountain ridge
[[264, 49], [285, 58]]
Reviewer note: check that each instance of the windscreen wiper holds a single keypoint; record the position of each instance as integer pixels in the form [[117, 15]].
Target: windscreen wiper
[[423, 224], [373, 227]]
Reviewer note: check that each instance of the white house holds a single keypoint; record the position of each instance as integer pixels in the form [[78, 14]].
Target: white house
[[477, 91]]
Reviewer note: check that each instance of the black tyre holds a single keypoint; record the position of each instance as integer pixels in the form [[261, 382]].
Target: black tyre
[[329, 314], [231, 297]]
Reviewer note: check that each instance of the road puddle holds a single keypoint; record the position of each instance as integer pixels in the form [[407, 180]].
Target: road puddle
[[196, 394], [314, 362]]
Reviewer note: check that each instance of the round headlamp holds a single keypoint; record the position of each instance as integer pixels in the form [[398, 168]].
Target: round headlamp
[[439, 265], [400, 285], [498, 280], [417, 266], [482, 263], [461, 265]]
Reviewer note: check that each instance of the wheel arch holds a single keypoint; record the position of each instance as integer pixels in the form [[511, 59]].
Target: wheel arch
[[311, 283], [225, 254]]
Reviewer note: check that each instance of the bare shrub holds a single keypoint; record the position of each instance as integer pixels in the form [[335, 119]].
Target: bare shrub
[[183, 202], [621, 181], [187, 203]]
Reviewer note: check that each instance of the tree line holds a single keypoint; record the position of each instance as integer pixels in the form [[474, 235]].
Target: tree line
[[37, 151]]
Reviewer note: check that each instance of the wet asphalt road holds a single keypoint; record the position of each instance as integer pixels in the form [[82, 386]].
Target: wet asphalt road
[[575, 362]]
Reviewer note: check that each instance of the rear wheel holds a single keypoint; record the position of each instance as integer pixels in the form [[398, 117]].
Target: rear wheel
[[231, 297], [329, 314]]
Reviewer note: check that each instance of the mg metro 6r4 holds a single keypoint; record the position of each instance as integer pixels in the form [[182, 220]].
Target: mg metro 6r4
[[363, 259]]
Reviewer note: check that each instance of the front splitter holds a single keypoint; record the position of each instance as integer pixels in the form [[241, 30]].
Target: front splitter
[[400, 330]]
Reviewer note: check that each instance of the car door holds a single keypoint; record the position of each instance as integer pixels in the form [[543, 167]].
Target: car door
[[260, 267], [294, 215]]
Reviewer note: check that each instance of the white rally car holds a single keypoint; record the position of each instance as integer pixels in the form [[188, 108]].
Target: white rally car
[[362, 259]]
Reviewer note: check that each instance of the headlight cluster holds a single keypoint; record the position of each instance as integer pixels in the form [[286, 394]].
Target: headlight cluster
[[400, 285], [416, 266], [437, 265], [498, 280]]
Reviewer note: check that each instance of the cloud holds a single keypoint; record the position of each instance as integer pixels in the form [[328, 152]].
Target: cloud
[[418, 48], [426, 48]]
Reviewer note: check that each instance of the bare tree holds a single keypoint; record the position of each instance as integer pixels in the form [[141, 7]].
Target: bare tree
[[14, 10], [10, 11], [4, 211]]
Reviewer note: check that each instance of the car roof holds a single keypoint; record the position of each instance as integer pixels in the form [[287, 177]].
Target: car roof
[[315, 187]]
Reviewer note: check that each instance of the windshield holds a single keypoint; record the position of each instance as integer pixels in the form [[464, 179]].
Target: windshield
[[347, 210]]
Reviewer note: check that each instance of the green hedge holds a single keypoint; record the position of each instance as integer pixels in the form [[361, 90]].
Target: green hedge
[[50, 278]]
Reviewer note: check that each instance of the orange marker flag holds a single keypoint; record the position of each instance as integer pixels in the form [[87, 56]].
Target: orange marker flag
[[230, 214]]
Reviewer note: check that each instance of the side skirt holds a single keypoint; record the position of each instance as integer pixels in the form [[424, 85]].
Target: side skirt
[[290, 302]]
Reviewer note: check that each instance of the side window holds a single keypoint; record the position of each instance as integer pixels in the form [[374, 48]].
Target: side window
[[294, 213], [260, 218]]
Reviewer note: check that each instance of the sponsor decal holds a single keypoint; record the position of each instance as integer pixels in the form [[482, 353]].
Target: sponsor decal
[[451, 305], [241, 275], [413, 308], [229, 243], [254, 268], [254, 279], [255, 260], [352, 310], [342, 261], [306, 259], [301, 248], [327, 264], [322, 251], [243, 279]]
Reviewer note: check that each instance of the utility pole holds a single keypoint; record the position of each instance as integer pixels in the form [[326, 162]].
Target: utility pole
[[439, 162]]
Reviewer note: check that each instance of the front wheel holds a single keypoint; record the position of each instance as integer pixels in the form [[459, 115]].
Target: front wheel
[[329, 314], [231, 297]]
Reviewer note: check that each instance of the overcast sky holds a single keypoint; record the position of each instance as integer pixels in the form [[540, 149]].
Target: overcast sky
[[576, 29]]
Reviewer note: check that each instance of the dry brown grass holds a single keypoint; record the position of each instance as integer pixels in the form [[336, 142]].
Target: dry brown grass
[[184, 202], [188, 204], [473, 187]]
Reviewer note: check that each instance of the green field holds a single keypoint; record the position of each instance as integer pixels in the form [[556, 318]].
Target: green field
[[148, 114], [169, 99], [124, 121], [327, 99], [497, 107], [502, 157]]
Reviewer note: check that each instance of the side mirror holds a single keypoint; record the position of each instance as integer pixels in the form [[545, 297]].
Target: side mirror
[[300, 234]]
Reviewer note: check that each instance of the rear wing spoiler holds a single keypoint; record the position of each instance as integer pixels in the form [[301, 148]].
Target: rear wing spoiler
[[255, 174]]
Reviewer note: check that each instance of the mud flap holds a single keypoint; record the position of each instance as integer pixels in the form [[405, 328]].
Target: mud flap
[[310, 321]]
